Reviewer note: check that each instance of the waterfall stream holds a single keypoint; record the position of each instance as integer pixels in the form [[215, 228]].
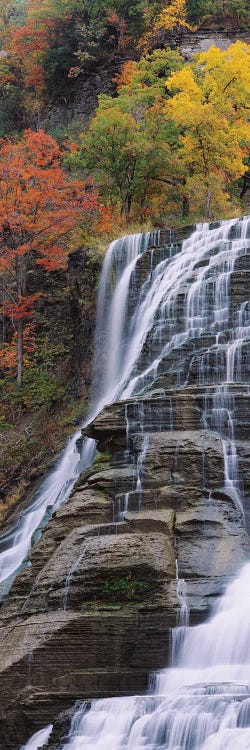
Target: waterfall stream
[[201, 704], [181, 325], [15, 544]]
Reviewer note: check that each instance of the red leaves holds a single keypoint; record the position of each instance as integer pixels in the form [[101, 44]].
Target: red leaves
[[39, 205], [30, 44], [39, 208], [119, 27], [21, 309]]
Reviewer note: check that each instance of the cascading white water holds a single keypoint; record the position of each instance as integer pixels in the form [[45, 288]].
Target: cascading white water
[[39, 739], [201, 704], [118, 266], [203, 701], [124, 339], [54, 491]]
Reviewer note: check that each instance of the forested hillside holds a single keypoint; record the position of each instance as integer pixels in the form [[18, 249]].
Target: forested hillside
[[167, 145]]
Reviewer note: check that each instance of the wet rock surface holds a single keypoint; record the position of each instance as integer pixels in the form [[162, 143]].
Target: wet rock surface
[[91, 616]]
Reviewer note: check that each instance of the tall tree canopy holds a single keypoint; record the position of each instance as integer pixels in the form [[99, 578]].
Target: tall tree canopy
[[211, 107], [128, 147], [39, 206]]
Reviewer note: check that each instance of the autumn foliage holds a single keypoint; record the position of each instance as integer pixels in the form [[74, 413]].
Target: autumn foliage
[[210, 106], [39, 207], [175, 137], [174, 15], [45, 44]]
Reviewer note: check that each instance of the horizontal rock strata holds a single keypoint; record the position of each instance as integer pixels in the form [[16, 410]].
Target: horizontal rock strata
[[91, 615]]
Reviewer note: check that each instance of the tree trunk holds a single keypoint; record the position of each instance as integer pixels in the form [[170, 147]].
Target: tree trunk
[[19, 351], [185, 206], [127, 208], [142, 211], [208, 206]]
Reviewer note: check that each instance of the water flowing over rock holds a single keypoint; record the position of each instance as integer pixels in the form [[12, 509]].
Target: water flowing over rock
[[55, 490], [154, 529]]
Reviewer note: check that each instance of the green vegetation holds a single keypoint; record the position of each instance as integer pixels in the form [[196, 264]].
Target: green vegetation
[[102, 458], [175, 138], [128, 145], [47, 44], [219, 11], [124, 589]]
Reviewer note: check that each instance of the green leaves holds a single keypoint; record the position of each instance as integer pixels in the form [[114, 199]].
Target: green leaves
[[127, 148]]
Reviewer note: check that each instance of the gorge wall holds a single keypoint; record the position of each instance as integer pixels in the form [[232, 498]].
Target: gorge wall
[[157, 524], [65, 322], [78, 102]]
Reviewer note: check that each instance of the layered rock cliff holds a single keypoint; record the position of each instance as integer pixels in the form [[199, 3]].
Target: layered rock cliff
[[40, 421], [92, 614]]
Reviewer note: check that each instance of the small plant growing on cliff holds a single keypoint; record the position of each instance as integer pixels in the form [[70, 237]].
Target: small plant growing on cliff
[[126, 588]]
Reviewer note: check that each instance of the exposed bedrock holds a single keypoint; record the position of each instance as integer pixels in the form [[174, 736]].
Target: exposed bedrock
[[91, 615]]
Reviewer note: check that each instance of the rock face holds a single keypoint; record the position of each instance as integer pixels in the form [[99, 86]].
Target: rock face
[[192, 44], [66, 320], [78, 100], [92, 613]]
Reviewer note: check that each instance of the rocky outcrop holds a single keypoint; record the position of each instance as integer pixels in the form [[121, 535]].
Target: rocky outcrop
[[78, 100], [65, 321], [192, 44], [91, 615]]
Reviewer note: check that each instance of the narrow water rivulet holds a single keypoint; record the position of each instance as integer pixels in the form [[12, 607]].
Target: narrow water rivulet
[[183, 329]]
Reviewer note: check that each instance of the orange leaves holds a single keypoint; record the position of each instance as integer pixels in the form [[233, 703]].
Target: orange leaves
[[40, 149], [126, 76], [8, 352], [37, 199], [30, 43], [39, 207], [22, 308], [105, 222]]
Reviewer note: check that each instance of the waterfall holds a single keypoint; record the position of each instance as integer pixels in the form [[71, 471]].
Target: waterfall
[[202, 268], [203, 703], [39, 739], [180, 325], [118, 266]]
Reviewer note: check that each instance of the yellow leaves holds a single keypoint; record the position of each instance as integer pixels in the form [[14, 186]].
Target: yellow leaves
[[184, 81], [174, 15], [185, 107], [220, 79], [210, 106], [226, 77]]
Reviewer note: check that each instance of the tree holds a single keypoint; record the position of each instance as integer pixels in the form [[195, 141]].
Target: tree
[[174, 16], [165, 23], [30, 45], [235, 11], [39, 206], [128, 147], [210, 106]]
